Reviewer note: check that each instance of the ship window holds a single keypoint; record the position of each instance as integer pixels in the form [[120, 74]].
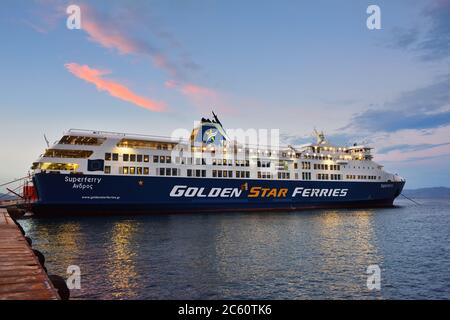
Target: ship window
[[214, 173], [108, 156], [219, 173], [146, 170], [139, 170], [107, 169], [125, 170], [168, 159], [161, 171], [155, 159], [225, 174], [126, 157], [139, 158], [64, 153], [197, 173], [57, 166], [132, 157], [189, 172], [115, 156], [146, 158], [174, 172], [143, 144], [168, 172], [80, 140], [238, 174], [162, 159]]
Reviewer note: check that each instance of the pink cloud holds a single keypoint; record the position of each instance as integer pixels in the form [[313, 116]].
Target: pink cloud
[[203, 98], [108, 38], [115, 89], [111, 35], [195, 91]]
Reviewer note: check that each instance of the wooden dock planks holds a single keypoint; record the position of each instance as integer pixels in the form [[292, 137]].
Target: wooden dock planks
[[21, 275]]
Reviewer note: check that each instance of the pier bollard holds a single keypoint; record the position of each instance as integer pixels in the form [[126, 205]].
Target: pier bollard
[[61, 286], [40, 257], [30, 242], [58, 282], [20, 228]]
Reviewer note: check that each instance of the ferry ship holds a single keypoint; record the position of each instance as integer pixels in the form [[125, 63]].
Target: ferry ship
[[107, 172]]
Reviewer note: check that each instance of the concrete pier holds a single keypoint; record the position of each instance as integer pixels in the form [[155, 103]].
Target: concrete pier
[[21, 275]]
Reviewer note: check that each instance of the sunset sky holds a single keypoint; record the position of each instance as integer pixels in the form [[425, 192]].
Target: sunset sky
[[154, 66]]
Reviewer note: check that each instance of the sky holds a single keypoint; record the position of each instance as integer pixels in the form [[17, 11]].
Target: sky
[[155, 66]]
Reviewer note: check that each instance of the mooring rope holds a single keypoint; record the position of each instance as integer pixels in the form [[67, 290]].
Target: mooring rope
[[410, 199], [5, 184]]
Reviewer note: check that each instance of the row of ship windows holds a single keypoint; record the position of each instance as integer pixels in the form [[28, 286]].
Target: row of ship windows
[[127, 157], [326, 176], [178, 160], [202, 161], [229, 174], [238, 174], [319, 166], [359, 177]]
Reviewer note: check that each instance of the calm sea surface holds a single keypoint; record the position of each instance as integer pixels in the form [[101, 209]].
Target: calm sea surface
[[322, 254]]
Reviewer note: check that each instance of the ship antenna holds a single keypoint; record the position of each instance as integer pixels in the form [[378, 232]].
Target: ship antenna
[[46, 141], [215, 118]]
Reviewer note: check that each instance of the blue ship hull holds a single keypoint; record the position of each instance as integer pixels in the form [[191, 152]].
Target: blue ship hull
[[87, 194]]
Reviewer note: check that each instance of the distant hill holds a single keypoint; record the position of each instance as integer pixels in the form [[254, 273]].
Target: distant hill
[[6, 197], [435, 192]]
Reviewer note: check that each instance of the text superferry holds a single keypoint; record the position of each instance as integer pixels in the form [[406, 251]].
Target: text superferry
[[106, 172]]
